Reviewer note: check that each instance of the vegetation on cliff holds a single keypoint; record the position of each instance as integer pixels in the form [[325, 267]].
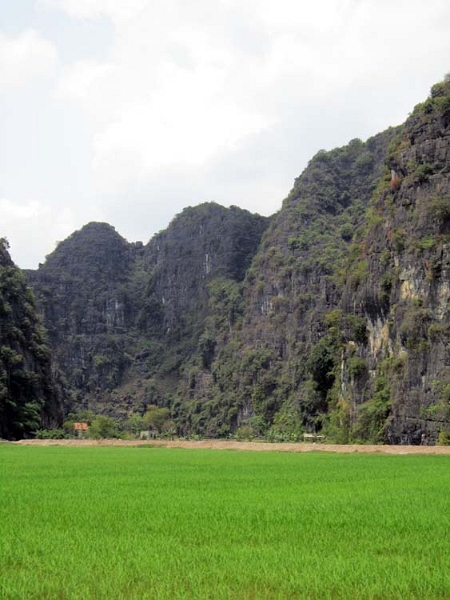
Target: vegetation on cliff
[[123, 319], [272, 375], [403, 294], [332, 316], [28, 399]]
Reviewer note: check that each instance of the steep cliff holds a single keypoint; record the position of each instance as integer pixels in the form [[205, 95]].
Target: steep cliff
[[344, 324], [330, 317], [201, 244], [260, 375], [123, 317], [398, 282], [28, 396], [82, 293]]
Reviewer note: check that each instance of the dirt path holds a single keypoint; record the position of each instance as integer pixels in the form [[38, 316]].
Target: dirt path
[[253, 446]]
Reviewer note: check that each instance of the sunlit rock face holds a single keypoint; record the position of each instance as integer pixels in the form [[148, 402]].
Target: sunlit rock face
[[405, 295]]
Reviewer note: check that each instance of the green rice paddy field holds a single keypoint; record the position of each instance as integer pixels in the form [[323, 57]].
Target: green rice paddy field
[[153, 523]]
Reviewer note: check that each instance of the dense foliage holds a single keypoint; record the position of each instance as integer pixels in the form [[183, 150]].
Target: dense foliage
[[27, 395]]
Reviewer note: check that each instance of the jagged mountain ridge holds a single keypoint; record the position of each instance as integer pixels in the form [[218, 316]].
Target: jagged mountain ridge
[[122, 317], [290, 287], [328, 330], [351, 340]]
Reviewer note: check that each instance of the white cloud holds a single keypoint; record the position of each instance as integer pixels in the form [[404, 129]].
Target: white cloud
[[25, 57], [221, 99], [145, 140], [161, 101], [82, 79], [33, 227], [116, 10], [188, 82], [12, 212]]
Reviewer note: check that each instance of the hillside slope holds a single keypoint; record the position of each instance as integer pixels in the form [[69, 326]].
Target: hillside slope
[[28, 396], [123, 317], [345, 326], [259, 376]]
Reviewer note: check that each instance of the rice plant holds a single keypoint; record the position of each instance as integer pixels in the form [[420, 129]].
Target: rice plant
[[150, 523]]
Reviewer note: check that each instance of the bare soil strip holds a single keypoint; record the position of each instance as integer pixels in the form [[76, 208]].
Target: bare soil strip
[[252, 446]]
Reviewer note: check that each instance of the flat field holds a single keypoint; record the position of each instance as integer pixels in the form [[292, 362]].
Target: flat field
[[158, 523]]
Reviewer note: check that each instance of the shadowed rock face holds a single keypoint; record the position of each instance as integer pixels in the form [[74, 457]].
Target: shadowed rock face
[[120, 314], [201, 244], [28, 397]]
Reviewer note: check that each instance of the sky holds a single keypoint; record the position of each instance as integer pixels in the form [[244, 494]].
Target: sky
[[128, 111]]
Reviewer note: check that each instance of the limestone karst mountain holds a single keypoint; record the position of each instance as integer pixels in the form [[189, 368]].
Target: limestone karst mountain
[[123, 318], [330, 316]]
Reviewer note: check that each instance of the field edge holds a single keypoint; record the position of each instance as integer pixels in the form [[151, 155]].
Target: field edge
[[245, 446]]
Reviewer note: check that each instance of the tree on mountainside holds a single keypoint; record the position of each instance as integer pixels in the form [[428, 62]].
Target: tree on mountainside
[[27, 395], [157, 418]]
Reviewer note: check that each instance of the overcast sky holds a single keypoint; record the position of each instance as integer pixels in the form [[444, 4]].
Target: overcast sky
[[127, 111]]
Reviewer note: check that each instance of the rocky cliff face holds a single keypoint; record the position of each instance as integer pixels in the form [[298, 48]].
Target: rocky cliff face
[[201, 244], [332, 318], [123, 317], [344, 325], [260, 375], [82, 293], [402, 390], [28, 394]]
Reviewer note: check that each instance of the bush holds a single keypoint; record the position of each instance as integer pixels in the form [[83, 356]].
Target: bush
[[414, 327], [371, 421], [244, 434], [356, 367], [444, 438], [358, 328], [439, 209], [321, 364], [427, 243], [103, 427], [134, 424], [347, 230], [338, 424], [51, 434], [285, 428], [359, 273], [158, 419], [423, 172], [372, 416]]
